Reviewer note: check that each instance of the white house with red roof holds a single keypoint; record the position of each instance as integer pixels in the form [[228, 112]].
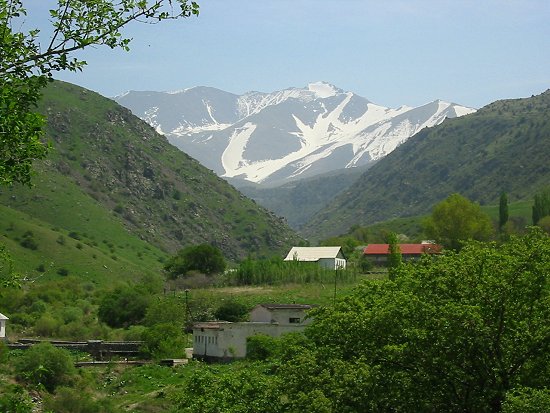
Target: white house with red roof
[[378, 253]]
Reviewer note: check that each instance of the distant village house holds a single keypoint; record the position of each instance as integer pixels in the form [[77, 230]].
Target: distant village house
[[3, 320], [223, 340], [378, 253], [327, 257]]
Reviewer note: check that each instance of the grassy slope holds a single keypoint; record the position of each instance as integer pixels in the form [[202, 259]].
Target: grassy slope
[[128, 193], [502, 147]]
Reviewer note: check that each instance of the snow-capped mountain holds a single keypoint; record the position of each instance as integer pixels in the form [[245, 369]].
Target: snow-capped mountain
[[284, 135]]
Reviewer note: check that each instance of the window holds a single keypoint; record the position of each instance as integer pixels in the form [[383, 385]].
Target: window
[[294, 320]]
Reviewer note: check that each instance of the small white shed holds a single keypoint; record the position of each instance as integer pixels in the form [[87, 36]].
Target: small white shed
[[3, 319], [328, 257]]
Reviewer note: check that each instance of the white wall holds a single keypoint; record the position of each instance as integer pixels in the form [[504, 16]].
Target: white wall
[[229, 340]]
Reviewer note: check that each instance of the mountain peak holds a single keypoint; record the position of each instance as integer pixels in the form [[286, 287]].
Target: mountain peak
[[287, 134], [323, 89]]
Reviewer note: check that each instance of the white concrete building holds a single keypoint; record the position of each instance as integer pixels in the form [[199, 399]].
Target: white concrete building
[[223, 340], [3, 320], [328, 257]]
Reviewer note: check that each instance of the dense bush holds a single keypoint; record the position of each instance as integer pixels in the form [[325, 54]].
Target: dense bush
[[69, 400], [123, 307], [261, 347], [231, 311], [164, 341], [14, 399], [203, 258], [43, 364]]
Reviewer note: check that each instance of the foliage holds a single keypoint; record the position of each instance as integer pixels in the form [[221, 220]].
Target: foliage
[[165, 309], [541, 206], [45, 365], [15, 399], [204, 258], [394, 257], [69, 400], [239, 388], [544, 223], [26, 66], [261, 347], [457, 219], [164, 340], [454, 334], [276, 271], [231, 311], [123, 307], [348, 244], [503, 210], [8, 277], [527, 400]]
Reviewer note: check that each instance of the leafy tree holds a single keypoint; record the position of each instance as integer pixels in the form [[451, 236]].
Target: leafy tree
[[231, 311], [164, 340], [348, 244], [27, 63], [123, 307], [541, 206], [235, 388], [394, 256], [204, 258], [456, 334], [457, 219], [503, 210], [43, 364]]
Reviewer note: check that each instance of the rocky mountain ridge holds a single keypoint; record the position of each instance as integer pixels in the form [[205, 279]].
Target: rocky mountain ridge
[[273, 138]]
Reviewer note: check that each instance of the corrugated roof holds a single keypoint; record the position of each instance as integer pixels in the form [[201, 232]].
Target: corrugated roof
[[312, 253], [379, 249]]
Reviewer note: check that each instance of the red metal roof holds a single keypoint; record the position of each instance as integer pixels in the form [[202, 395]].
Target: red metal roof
[[406, 249]]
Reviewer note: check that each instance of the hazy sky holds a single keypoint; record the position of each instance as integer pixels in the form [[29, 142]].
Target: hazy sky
[[392, 52]]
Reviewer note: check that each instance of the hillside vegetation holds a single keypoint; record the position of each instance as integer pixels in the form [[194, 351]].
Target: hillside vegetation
[[503, 147], [116, 187], [298, 201]]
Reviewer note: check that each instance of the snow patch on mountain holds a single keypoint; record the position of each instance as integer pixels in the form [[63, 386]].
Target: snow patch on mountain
[[283, 135]]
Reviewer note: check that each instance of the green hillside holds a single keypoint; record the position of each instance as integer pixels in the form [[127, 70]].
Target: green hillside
[[298, 201], [504, 147], [118, 189]]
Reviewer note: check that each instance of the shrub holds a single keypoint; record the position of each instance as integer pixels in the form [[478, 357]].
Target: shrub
[[43, 364], [67, 400], [204, 258], [29, 243], [15, 399], [261, 347], [123, 307], [231, 311], [63, 272], [164, 341]]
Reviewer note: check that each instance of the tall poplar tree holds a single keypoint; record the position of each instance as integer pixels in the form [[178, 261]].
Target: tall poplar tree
[[503, 210]]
